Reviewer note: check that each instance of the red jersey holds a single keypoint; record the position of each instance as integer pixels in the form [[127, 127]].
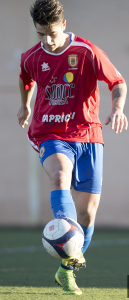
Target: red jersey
[[67, 101]]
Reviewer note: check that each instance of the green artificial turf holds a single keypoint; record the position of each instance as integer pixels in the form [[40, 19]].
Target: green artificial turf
[[31, 275]]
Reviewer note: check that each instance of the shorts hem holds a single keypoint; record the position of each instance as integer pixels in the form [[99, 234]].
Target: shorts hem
[[43, 159], [87, 190]]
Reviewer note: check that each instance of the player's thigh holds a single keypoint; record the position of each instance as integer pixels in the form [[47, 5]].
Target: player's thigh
[[58, 164], [86, 206]]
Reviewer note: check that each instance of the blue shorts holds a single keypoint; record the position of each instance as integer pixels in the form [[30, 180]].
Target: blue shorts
[[87, 159]]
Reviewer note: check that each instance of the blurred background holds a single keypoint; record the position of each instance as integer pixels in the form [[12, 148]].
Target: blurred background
[[24, 186]]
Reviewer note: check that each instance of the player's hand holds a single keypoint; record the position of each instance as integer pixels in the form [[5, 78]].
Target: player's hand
[[118, 121], [23, 115]]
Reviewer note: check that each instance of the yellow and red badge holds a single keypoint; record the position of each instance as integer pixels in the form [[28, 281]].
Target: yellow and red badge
[[73, 60], [42, 150]]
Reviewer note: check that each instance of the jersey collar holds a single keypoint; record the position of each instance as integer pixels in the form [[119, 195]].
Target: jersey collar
[[57, 54]]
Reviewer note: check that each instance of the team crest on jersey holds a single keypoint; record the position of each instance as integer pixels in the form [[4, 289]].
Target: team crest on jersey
[[73, 60], [42, 150]]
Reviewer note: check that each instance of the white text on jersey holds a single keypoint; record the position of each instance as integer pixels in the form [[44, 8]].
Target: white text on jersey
[[58, 118]]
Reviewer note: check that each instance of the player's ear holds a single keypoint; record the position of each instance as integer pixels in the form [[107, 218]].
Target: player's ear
[[64, 25]]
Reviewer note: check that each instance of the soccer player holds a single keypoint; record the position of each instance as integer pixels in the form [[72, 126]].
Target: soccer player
[[65, 127]]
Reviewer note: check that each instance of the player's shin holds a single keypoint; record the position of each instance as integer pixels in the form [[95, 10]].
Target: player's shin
[[88, 232], [62, 204]]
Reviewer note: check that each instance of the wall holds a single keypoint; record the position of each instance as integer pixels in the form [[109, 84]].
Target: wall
[[24, 186]]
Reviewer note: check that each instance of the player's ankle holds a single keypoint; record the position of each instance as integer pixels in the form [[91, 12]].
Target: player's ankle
[[65, 267]]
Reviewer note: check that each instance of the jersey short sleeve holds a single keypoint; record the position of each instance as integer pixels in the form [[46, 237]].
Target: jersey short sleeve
[[25, 75], [105, 70]]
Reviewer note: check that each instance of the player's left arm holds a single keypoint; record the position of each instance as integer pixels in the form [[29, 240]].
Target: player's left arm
[[117, 118]]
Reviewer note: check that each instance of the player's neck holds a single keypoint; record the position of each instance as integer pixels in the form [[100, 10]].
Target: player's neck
[[64, 44]]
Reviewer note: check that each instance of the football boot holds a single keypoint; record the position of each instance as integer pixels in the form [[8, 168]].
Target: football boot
[[78, 261], [66, 279]]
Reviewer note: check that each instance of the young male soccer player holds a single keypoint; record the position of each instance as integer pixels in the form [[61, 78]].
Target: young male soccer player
[[65, 127]]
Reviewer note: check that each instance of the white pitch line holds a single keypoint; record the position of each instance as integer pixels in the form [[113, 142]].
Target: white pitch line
[[28, 249], [96, 243], [102, 243]]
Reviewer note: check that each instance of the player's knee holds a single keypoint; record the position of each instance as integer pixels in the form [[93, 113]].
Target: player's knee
[[88, 216], [92, 213], [60, 179]]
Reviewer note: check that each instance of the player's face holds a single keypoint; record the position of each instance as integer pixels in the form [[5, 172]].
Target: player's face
[[52, 37]]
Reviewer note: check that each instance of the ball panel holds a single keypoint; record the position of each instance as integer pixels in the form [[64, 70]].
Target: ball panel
[[51, 228], [64, 225], [79, 244], [50, 249], [76, 224], [69, 248], [57, 235], [78, 237], [74, 245], [46, 245], [53, 252], [59, 249]]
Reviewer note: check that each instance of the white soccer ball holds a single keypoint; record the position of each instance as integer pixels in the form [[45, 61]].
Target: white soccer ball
[[63, 237]]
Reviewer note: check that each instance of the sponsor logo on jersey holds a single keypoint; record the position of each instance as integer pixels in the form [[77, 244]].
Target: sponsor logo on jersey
[[45, 67], [42, 150], [68, 77], [58, 94], [47, 119], [73, 60], [53, 79]]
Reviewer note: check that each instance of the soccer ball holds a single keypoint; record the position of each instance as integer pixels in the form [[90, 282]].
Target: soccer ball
[[63, 237]]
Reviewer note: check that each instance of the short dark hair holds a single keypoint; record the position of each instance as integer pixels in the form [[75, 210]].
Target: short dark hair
[[46, 12]]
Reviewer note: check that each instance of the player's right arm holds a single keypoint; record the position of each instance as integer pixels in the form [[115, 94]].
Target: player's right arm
[[24, 111]]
